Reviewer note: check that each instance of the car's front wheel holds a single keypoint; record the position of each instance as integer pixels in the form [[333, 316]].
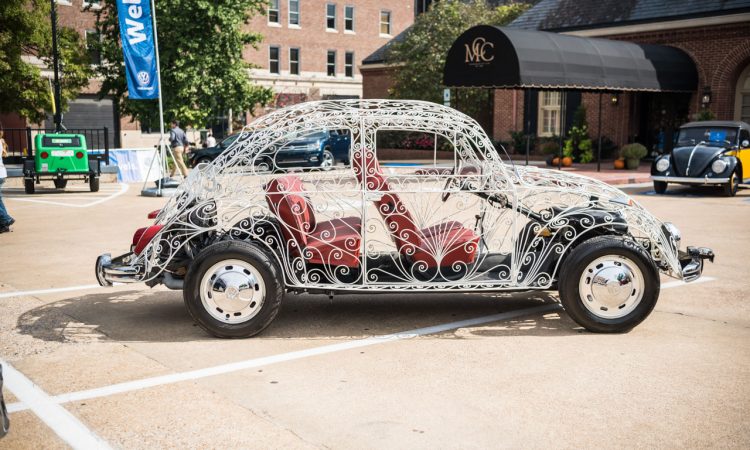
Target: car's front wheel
[[609, 284], [233, 289], [202, 160], [327, 160], [660, 187], [730, 189]]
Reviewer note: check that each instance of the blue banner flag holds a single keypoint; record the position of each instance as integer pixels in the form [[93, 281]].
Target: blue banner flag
[[138, 48]]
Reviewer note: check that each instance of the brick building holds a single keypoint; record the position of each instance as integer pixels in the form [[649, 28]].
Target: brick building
[[310, 51], [312, 48], [714, 33]]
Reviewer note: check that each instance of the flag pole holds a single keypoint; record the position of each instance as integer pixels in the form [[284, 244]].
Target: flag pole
[[162, 152]]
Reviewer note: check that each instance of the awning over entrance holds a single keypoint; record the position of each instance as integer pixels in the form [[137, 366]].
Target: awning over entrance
[[499, 57]]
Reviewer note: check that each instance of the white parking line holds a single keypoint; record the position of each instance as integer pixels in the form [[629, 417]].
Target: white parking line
[[60, 420], [283, 357], [144, 383], [48, 291], [678, 283], [123, 188]]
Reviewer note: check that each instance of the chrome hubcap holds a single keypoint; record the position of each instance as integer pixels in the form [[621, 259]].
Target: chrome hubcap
[[232, 291], [327, 160], [611, 286]]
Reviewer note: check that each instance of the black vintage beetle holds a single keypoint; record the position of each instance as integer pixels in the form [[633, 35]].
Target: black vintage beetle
[[707, 153]]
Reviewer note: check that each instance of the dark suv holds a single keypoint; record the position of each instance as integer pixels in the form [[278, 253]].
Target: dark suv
[[324, 148]]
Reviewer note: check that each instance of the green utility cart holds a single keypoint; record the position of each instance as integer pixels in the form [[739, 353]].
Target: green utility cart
[[61, 157]]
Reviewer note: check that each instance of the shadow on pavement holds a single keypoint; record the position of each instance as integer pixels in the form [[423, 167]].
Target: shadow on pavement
[[160, 316], [677, 190]]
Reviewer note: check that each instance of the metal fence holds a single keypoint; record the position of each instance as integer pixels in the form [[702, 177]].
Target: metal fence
[[20, 142]]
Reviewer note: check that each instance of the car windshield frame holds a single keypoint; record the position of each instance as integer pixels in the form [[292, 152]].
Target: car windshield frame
[[706, 133]]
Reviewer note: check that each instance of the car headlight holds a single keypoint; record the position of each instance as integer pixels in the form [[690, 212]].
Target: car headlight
[[672, 230], [719, 166], [662, 164]]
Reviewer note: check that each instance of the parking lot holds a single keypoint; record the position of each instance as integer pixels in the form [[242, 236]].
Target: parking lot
[[126, 367]]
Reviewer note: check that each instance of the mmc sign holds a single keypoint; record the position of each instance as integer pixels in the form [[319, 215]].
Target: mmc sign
[[479, 51], [138, 48]]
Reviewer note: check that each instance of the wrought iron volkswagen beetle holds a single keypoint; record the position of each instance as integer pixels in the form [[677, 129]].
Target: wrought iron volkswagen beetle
[[241, 231]]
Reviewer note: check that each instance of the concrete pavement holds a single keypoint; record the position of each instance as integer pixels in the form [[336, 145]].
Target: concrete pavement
[[537, 380]]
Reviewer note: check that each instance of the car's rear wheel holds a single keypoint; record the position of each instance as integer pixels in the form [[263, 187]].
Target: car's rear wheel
[[233, 289], [94, 183], [60, 184], [730, 189], [28, 186], [327, 160], [660, 187], [609, 284]]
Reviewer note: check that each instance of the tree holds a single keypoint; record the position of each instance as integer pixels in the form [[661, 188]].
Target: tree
[[203, 73], [27, 32], [419, 58]]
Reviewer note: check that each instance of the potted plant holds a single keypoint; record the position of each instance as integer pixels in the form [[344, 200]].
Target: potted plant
[[633, 154], [619, 163], [567, 160]]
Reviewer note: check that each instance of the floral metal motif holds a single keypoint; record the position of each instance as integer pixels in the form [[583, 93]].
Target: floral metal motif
[[471, 223]]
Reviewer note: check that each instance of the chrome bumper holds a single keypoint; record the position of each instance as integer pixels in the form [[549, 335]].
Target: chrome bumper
[[690, 180], [116, 271], [691, 262]]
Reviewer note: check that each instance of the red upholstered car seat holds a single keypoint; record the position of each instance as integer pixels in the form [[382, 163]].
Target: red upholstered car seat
[[335, 242], [441, 245]]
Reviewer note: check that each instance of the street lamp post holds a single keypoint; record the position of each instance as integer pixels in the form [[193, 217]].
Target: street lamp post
[[56, 69]]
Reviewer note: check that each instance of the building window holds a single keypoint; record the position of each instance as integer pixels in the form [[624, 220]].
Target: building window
[[294, 12], [331, 63], [742, 99], [93, 4], [385, 22], [273, 11], [549, 113], [330, 16], [92, 44], [273, 59], [348, 18], [294, 61], [349, 64]]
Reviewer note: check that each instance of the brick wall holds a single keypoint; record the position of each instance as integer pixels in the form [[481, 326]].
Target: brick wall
[[70, 14], [720, 53], [314, 40], [376, 81]]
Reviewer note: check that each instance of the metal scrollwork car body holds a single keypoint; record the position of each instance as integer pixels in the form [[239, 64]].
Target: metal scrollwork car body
[[241, 231]]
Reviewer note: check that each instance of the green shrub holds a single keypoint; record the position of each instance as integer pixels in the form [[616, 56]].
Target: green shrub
[[518, 139], [586, 147], [568, 148], [633, 151]]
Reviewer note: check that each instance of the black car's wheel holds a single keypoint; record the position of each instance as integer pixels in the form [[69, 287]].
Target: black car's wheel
[[730, 189], [28, 186], [327, 160], [660, 187], [609, 284], [265, 165], [202, 160], [233, 289], [94, 183], [60, 184]]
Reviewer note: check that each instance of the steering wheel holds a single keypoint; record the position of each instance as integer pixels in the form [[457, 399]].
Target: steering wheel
[[451, 181]]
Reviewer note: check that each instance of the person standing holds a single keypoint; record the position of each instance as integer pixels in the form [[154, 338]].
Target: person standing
[[178, 141], [5, 220], [210, 140]]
